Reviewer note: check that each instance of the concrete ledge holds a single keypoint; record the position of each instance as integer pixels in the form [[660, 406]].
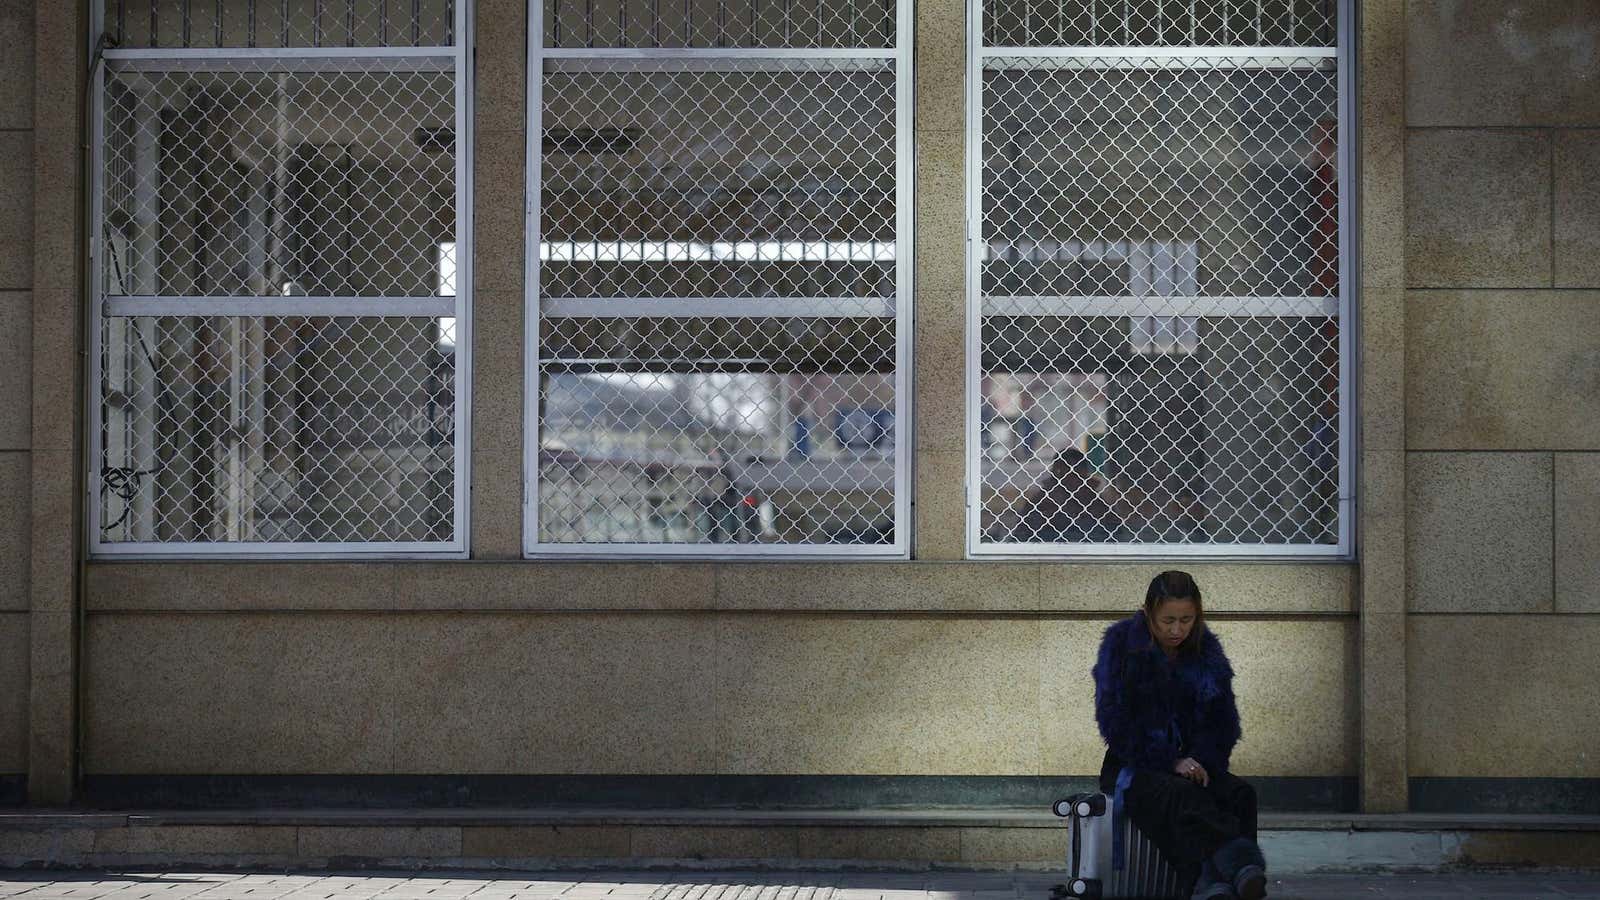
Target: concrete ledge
[[677, 839], [739, 795], [1299, 589], [706, 818]]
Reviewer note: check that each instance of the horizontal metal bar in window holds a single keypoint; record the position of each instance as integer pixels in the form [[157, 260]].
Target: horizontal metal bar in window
[[119, 53], [1027, 58], [388, 59], [599, 549], [281, 306], [1161, 53], [279, 550], [724, 61], [651, 364], [708, 308], [678, 53], [717, 251], [1202, 307], [1161, 551]]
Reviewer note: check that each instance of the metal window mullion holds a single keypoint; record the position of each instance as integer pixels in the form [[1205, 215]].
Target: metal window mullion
[[94, 447], [463, 293], [905, 222], [1347, 500], [971, 491], [533, 364]]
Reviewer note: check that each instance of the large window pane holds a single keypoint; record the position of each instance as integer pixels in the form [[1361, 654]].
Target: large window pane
[[279, 233], [720, 288], [1158, 276], [251, 182]]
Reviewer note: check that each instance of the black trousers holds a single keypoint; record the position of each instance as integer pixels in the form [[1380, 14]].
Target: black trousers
[[1187, 822]]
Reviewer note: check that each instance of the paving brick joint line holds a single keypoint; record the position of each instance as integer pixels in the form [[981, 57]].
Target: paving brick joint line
[[396, 885]]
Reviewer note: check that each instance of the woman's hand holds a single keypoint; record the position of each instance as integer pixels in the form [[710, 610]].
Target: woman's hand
[[1193, 771]]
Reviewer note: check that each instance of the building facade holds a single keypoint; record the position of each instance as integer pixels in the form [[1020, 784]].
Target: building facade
[[777, 400]]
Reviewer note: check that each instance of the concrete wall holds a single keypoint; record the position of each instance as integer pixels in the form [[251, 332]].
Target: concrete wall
[[16, 392], [1455, 649], [1502, 466], [882, 669]]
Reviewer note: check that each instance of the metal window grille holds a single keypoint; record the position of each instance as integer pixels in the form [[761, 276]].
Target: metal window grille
[[718, 240], [279, 24], [1157, 285], [282, 189]]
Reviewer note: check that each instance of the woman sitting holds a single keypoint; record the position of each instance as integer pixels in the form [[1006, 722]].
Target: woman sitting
[[1164, 703]]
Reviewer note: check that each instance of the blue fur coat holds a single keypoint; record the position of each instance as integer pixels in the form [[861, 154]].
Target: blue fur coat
[[1153, 712]]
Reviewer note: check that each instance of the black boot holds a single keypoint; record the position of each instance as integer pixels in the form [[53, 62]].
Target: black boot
[[1241, 865], [1211, 885]]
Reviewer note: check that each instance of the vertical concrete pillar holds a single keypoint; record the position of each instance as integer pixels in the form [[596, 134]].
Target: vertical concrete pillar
[[939, 295], [499, 181], [58, 303], [1381, 487]]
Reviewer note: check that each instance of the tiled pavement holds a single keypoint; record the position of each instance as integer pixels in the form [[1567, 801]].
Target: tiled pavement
[[678, 885]]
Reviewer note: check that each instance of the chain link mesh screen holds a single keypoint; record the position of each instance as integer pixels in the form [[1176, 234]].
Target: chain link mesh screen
[[269, 429], [1159, 281], [262, 182], [280, 24], [769, 24], [278, 256], [718, 288], [1160, 23]]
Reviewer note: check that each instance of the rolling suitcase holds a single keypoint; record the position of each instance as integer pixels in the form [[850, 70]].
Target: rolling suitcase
[[1144, 873]]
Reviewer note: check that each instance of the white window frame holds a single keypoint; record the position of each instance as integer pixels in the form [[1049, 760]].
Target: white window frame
[[673, 59], [976, 546], [457, 58]]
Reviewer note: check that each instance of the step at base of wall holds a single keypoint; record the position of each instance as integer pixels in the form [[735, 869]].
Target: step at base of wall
[[924, 840]]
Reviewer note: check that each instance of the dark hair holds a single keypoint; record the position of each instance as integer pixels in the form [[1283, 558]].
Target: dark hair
[[1175, 585]]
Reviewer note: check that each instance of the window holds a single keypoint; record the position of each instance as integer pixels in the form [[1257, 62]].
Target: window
[[281, 192], [1157, 295], [721, 289]]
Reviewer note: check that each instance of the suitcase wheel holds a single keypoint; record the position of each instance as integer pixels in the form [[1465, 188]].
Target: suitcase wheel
[[1084, 887]]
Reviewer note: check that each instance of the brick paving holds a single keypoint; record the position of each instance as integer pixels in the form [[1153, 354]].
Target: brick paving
[[678, 885]]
